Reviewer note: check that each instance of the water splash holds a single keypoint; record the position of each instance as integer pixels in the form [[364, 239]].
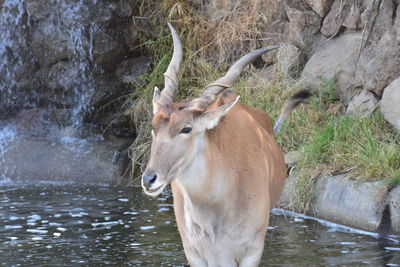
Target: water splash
[[77, 145], [7, 135]]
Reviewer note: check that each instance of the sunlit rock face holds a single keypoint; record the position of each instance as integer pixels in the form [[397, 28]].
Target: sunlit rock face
[[390, 103]]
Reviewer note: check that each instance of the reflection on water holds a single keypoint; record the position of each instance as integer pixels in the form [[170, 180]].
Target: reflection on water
[[50, 224]]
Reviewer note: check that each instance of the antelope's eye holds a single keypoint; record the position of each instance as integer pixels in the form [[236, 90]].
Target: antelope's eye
[[186, 130]]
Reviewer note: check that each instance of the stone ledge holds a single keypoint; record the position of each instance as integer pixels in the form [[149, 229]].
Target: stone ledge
[[366, 205], [28, 158]]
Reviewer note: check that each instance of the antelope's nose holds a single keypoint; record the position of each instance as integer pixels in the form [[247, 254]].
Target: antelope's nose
[[148, 179]]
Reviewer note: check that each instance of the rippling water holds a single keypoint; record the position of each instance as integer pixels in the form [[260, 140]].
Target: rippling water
[[47, 224]]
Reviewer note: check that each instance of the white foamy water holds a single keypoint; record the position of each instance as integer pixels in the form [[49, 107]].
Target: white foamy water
[[81, 35], [16, 58], [8, 134]]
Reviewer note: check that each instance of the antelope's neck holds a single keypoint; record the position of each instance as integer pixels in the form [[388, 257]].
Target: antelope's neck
[[204, 181], [205, 189]]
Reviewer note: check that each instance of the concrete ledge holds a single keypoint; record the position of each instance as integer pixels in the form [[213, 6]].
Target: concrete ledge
[[353, 203], [365, 205], [32, 159]]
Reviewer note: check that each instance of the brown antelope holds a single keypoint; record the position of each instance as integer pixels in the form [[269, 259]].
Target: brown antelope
[[223, 163]]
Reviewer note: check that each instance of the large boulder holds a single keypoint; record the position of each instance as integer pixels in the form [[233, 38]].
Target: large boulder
[[380, 64], [379, 58], [334, 19], [304, 24], [390, 104], [377, 16], [290, 59], [363, 104], [336, 58]]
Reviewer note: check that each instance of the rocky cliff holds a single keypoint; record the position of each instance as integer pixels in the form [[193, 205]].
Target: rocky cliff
[[69, 58], [65, 69]]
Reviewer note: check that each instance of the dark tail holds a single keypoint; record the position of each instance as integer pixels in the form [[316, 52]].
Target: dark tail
[[289, 105]]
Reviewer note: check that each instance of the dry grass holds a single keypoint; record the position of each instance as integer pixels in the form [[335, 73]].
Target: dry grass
[[219, 31]]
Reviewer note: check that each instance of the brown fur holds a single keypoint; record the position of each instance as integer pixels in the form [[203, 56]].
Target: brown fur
[[225, 181], [243, 146]]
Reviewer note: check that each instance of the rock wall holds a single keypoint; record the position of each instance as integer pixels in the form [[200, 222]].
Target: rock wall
[[355, 42], [67, 55], [61, 62]]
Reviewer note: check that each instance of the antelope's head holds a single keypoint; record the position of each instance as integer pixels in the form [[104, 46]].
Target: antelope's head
[[178, 129]]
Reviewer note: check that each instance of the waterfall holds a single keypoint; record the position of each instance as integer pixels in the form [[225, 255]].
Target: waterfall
[[12, 48], [81, 41], [18, 67], [58, 66]]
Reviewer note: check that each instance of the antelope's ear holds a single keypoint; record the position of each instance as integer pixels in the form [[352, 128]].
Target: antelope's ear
[[210, 119], [156, 97]]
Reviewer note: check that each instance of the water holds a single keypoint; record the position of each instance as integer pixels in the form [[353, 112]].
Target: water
[[53, 224], [74, 17]]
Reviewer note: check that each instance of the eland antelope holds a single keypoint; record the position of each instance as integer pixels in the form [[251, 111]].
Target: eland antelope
[[223, 163]]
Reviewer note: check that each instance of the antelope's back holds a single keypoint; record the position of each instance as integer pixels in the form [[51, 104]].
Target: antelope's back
[[250, 130]]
